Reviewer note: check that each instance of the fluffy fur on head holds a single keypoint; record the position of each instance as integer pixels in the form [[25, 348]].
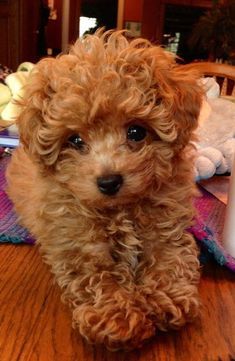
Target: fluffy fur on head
[[104, 181]]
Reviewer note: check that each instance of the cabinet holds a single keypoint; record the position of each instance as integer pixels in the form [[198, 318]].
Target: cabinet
[[19, 29]]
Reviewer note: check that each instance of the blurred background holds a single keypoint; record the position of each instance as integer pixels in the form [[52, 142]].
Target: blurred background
[[193, 29]]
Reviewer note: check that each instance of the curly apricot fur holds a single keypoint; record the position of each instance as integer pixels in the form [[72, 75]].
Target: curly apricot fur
[[126, 263]]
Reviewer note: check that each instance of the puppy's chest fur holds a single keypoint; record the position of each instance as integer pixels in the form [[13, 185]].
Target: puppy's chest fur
[[129, 237]]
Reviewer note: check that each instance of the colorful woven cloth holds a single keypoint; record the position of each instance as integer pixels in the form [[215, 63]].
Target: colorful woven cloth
[[10, 230], [207, 229]]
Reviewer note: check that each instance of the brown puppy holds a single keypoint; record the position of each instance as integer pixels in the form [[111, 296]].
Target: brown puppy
[[104, 181]]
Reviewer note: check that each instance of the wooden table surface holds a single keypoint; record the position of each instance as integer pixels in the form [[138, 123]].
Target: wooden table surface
[[35, 325]]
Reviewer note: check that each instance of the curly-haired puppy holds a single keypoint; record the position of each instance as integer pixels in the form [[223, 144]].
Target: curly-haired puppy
[[104, 181]]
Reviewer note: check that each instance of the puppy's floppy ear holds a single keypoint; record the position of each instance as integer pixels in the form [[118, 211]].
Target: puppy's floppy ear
[[30, 119], [32, 123], [187, 101]]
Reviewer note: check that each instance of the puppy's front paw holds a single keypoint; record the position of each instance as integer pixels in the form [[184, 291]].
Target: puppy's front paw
[[174, 308], [115, 325], [185, 311]]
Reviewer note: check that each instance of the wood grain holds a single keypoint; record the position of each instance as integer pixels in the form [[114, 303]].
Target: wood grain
[[218, 186], [36, 326]]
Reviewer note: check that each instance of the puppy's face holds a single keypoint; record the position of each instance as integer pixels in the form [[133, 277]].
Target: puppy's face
[[106, 165], [109, 120]]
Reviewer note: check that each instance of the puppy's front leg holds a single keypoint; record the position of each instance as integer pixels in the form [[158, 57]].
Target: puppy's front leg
[[110, 313], [169, 281], [101, 292]]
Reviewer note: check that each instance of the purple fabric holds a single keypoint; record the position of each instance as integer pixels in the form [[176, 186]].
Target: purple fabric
[[207, 229], [10, 230]]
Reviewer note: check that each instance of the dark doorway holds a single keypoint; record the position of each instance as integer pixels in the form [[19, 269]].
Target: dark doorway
[[178, 25], [105, 11]]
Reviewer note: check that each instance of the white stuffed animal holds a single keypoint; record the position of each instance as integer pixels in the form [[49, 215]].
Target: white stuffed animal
[[216, 134]]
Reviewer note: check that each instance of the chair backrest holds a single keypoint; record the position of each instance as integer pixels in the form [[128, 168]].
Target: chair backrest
[[224, 74]]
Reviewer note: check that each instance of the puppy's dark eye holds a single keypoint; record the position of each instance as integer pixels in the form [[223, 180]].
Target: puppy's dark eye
[[136, 133], [76, 141]]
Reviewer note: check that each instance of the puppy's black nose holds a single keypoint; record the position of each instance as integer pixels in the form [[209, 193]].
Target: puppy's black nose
[[110, 184]]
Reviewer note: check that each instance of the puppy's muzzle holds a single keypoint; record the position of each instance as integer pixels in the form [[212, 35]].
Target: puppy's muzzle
[[110, 184]]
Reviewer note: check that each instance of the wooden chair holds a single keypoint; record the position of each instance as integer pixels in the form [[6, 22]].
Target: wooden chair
[[224, 74]]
